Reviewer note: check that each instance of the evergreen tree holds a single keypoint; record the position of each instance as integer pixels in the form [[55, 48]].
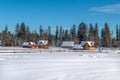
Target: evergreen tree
[[63, 37], [17, 30], [41, 32], [23, 31], [49, 35], [33, 36], [61, 34], [117, 33], [16, 35], [96, 34], [82, 32], [56, 36], [107, 35], [28, 34], [36, 36], [73, 32], [118, 39], [91, 33], [66, 35], [103, 40], [6, 36]]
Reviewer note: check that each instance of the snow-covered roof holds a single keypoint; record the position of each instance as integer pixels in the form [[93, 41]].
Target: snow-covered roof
[[31, 43], [82, 43], [90, 43], [67, 43], [25, 43], [28, 43], [42, 42], [76, 46]]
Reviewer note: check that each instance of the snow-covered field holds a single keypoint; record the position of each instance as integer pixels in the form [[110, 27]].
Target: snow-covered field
[[59, 64]]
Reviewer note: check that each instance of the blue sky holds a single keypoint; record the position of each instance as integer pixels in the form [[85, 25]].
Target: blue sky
[[59, 12]]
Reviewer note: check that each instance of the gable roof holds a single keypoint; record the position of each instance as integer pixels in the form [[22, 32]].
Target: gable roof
[[31, 43], [82, 43], [43, 42], [28, 43], [25, 43], [90, 43]]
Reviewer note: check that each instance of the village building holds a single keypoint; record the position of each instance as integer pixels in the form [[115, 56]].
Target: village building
[[25, 44], [67, 44], [32, 45], [77, 47], [29, 45], [43, 44], [88, 45]]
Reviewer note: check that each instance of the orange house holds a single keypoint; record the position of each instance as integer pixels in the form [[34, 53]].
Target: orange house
[[88, 45], [43, 44]]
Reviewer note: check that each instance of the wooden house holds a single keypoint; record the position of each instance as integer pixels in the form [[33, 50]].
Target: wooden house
[[32, 45], [67, 44], [43, 44], [88, 45], [29, 45]]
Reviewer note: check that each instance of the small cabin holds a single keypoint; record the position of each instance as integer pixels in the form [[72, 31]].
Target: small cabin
[[88, 45], [32, 45], [29, 45], [43, 44], [67, 44], [77, 47], [25, 44]]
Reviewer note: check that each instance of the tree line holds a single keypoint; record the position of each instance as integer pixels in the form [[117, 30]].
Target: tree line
[[82, 32]]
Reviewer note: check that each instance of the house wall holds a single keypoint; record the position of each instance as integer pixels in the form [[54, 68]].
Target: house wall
[[87, 47], [43, 46], [92, 48], [32, 46]]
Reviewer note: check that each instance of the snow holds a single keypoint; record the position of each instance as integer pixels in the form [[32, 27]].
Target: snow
[[64, 65]]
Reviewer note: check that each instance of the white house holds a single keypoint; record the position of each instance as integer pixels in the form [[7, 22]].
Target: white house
[[67, 44], [25, 44], [29, 44], [77, 47]]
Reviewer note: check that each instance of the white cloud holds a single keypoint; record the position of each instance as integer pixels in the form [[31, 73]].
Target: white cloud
[[115, 8]]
